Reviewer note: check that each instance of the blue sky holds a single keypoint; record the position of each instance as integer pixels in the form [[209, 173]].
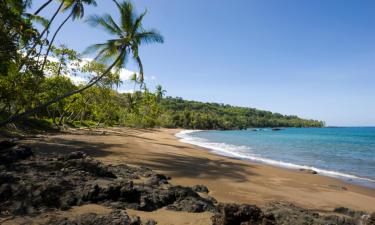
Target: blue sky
[[314, 59]]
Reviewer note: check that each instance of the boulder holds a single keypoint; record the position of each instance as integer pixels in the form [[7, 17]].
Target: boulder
[[6, 144], [234, 214], [156, 180], [309, 171], [192, 204], [200, 188], [15, 153]]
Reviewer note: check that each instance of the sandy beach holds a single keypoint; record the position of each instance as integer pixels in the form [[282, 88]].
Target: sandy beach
[[229, 180]]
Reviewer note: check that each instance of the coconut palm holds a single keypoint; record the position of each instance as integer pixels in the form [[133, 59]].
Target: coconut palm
[[160, 92], [77, 11], [45, 30], [129, 35], [42, 7]]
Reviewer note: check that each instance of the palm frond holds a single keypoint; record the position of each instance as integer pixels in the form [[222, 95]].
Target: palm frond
[[138, 22], [148, 37], [39, 19], [106, 22], [127, 15]]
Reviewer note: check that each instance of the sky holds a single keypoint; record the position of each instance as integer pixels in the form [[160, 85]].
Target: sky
[[314, 59]]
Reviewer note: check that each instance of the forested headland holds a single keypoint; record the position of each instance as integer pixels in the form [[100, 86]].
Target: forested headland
[[38, 85], [198, 115]]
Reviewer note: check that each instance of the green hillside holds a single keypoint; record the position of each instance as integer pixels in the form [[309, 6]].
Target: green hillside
[[198, 115]]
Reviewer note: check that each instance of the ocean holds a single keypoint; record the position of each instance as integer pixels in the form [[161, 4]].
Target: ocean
[[344, 153]]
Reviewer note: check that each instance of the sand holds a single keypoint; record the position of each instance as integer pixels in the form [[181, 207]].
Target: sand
[[229, 180]]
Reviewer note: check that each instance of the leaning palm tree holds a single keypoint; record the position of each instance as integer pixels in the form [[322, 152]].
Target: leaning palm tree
[[129, 35], [77, 11], [42, 7]]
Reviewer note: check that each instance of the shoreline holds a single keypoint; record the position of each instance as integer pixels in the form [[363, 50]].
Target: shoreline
[[183, 136], [229, 180]]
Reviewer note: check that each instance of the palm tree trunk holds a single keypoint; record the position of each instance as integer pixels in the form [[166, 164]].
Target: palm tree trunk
[[93, 81], [53, 39], [41, 35], [42, 7]]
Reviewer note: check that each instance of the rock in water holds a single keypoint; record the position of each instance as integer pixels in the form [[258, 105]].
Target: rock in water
[[310, 171]]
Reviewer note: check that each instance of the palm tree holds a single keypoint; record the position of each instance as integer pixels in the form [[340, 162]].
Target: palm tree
[[42, 7], [77, 12], [129, 35], [159, 92], [37, 41], [134, 79]]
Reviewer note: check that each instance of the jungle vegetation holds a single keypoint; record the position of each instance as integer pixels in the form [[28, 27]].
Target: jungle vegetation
[[36, 76]]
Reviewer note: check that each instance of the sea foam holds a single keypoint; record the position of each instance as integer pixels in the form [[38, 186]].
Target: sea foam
[[244, 152]]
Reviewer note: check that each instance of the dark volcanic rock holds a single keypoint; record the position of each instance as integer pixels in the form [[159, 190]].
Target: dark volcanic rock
[[287, 213], [76, 155], [193, 204], [200, 188], [89, 165], [370, 220], [157, 179], [308, 171], [233, 214], [14, 153], [6, 178], [116, 217], [150, 222], [6, 144], [58, 182]]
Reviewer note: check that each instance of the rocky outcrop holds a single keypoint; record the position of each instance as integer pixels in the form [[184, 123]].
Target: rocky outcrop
[[116, 217], [200, 188], [10, 152], [287, 213], [35, 184], [234, 214]]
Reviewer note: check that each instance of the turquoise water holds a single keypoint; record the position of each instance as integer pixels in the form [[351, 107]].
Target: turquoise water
[[345, 153]]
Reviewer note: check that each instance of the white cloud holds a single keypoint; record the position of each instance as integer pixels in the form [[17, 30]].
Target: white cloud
[[127, 74], [77, 79]]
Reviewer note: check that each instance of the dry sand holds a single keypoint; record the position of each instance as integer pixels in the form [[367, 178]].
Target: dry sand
[[229, 180]]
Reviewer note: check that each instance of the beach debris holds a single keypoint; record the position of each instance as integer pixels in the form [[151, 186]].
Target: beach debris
[[234, 214], [309, 171], [200, 188]]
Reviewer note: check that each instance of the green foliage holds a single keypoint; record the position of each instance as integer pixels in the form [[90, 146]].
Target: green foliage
[[36, 82], [197, 115]]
